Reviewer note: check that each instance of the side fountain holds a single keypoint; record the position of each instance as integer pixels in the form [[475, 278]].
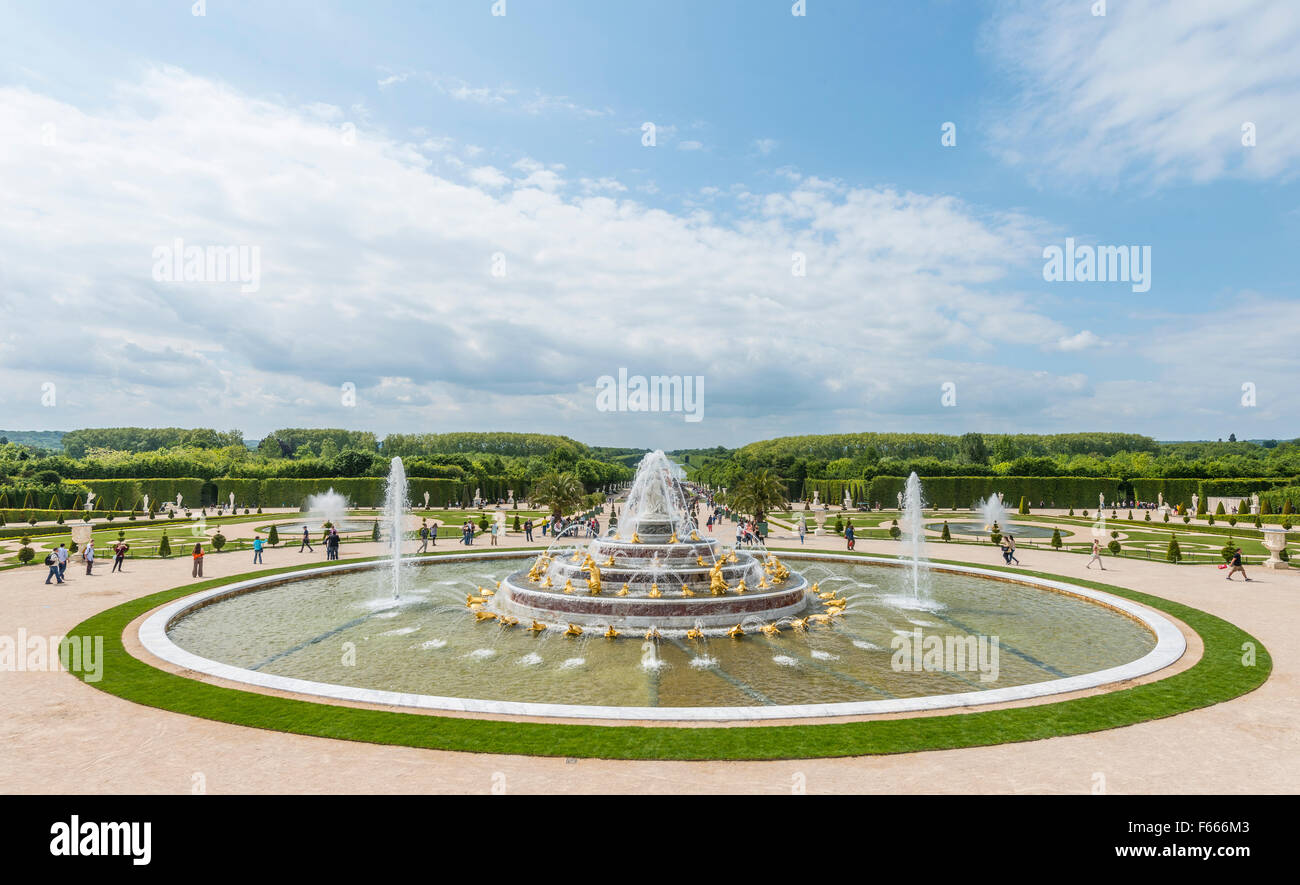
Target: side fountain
[[653, 571], [394, 517], [912, 525]]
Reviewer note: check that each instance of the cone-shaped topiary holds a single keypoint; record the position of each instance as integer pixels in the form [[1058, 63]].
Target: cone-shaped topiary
[[1173, 553], [1024, 505], [1219, 511], [374, 532], [164, 546], [1056, 538], [1265, 508], [218, 541], [947, 535], [273, 537]]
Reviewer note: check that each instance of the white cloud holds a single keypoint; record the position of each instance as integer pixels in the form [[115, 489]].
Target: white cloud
[[376, 268], [1153, 92], [765, 146], [1083, 340]]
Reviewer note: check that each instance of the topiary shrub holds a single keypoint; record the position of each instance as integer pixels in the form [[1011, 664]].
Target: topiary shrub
[[1232, 520], [518, 526], [1172, 552], [995, 535], [164, 546], [1265, 508], [1186, 519], [947, 535], [1219, 511], [1056, 539], [483, 522], [218, 541], [1024, 505], [1113, 547], [1147, 516], [895, 532], [1071, 511], [1209, 519], [1130, 516], [374, 532], [839, 525], [1228, 550], [273, 537], [25, 553]]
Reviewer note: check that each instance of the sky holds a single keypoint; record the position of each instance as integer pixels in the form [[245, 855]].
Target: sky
[[450, 219]]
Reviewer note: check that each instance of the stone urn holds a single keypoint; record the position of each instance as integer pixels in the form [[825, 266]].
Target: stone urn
[[1275, 542]]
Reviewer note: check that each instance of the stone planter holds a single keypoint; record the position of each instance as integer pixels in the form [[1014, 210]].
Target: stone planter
[[1275, 541]]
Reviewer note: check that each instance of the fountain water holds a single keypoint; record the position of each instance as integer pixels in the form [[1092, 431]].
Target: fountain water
[[993, 511], [330, 506], [913, 528], [394, 514]]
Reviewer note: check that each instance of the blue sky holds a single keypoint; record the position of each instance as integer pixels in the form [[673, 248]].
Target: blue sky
[[378, 155]]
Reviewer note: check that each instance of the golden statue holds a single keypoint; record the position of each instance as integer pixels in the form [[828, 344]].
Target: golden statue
[[593, 581], [568, 586], [538, 627], [483, 591], [695, 633], [699, 560], [622, 592], [474, 600], [652, 634], [736, 632], [686, 591], [740, 586], [800, 624], [695, 536], [772, 629], [636, 538], [673, 539], [508, 622], [574, 630], [484, 616], [611, 633], [654, 591]]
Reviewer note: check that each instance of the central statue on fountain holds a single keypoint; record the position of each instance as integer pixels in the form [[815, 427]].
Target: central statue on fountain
[[718, 588]]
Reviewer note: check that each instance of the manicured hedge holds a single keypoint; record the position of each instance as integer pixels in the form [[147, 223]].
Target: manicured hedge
[[132, 491]]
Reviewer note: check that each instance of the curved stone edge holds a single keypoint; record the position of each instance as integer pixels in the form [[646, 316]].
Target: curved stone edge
[[1170, 647]]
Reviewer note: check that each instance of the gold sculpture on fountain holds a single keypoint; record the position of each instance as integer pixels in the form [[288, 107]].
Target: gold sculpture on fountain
[[611, 633], [537, 627], [652, 634], [736, 632], [654, 592], [573, 630]]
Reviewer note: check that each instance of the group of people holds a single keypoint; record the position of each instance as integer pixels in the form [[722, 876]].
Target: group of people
[[748, 535], [57, 559], [332, 541]]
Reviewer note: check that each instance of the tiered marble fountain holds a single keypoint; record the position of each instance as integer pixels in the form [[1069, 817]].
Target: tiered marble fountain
[[652, 571]]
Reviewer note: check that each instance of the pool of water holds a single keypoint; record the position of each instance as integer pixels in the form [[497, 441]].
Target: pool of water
[[346, 629], [1020, 530]]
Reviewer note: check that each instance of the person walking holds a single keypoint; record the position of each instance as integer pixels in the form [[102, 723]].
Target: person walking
[[433, 534], [197, 571], [1096, 555], [424, 537], [52, 560], [257, 550], [88, 554], [528, 530], [1011, 550], [306, 541], [1236, 566], [62, 554], [803, 529], [848, 535], [119, 555], [496, 530]]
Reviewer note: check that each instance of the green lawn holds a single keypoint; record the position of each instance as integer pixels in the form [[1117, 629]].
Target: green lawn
[[1220, 675]]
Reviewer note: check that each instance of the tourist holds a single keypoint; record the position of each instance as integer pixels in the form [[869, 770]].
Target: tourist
[[1011, 550], [52, 560], [88, 554], [709, 524], [332, 544], [433, 534], [848, 535], [1096, 555], [528, 530], [1236, 565], [119, 554], [496, 528], [257, 550], [306, 541], [424, 537], [803, 528], [62, 553], [197, 571]]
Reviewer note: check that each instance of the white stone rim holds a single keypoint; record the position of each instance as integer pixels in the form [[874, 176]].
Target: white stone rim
[[1170, 647]]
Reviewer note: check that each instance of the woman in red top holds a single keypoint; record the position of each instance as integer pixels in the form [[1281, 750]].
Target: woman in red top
[[198, 561]]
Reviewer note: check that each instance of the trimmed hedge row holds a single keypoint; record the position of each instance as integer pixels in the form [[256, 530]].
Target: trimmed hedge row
[[964, 491], [1059, 491]]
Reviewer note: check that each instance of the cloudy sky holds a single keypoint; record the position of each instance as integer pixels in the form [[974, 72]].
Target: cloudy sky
[[459, 214]]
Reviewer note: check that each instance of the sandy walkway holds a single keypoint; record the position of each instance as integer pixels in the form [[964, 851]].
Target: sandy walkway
[[60, 735]]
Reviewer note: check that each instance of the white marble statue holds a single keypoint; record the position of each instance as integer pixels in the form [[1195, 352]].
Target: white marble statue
[[179, 498], [232, 500], [90, 500], [146, 503], [1196, 503], [1254, 502], [426, 500]]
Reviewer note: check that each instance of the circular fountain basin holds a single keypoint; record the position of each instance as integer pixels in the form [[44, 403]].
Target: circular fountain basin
[[337, 633], [1020, 530]]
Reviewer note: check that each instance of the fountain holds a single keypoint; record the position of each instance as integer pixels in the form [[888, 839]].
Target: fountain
[[653, 571], [330, 507], [993, 511], [912, 524], [394, 513]]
